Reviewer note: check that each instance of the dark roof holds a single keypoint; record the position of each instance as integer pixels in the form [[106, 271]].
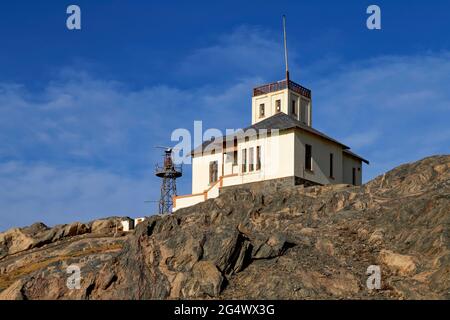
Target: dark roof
[[356, 156], [200, 149], [282, 121]]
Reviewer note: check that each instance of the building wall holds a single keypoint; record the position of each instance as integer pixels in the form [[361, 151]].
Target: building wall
[[229, 168], [187, 201], [302, 106], [350, 162], [269, 104], [200, 171], [277, 160], [282, 155], [286, 96], [321, 150], [276, 157], [272, 184], [282, 162]]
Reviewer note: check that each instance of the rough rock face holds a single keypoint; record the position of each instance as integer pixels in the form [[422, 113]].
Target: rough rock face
[[291, 243], [37, 235]]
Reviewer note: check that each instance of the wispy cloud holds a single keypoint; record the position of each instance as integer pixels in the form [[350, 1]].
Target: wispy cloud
[[82, 118], [362, 139], [83, 147], [392, 109], [52, 194], [247, 51]]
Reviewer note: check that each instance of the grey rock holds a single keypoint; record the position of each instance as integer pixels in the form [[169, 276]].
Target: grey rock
[[254, 243]]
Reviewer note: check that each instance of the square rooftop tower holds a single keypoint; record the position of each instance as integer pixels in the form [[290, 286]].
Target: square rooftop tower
[[282, 96]]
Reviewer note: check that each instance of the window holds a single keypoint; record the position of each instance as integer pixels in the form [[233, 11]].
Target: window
[[293, 109], [308, 157], [261, 110], [304, 110], [251, 161], [235, 158], [244, 160], [278, 105], [213, 172], [354, 176], [235, 153], [331, 165], [258, 158]]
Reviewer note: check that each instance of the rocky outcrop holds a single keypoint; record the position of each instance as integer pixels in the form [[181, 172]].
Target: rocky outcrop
[[37, 235], [292, 243], [404, 264]]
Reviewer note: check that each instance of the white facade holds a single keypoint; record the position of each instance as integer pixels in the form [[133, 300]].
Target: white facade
[[283, 145]]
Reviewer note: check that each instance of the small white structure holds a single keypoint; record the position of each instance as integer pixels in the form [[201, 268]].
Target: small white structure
[[138, 220], [280, 146], [127, 225]]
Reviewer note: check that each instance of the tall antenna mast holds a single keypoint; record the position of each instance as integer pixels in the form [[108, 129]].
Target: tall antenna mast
[[168, 171], [285, 49]]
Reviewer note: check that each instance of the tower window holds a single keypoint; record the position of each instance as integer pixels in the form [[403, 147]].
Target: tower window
[[278, 105], [308, 157], [354, 176], [303, 110], [261, 110], [331, 165], [244, 160], [213, 172], [293, 108], [251, 163], [258, 158]]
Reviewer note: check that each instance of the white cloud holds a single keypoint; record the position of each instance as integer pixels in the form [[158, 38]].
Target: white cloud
[[83, 147], [361, 139], [247, 51], [82, 118], [51, 194], [390, 109]]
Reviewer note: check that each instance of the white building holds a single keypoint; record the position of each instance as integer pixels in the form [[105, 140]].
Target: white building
[[127, 224], [280, 147]]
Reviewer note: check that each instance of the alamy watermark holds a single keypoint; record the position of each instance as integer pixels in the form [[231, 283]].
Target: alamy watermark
[[214, 141], [74, 280], [374, 20], [374, 279], [73, 21]]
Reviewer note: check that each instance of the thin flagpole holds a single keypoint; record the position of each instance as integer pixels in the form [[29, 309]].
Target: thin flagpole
[[285, 49]]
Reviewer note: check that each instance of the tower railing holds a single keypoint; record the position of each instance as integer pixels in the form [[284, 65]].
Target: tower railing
[[281, 85], [161, 170]]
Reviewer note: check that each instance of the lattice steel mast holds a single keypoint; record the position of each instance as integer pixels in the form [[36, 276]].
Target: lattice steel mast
[[168, 172]]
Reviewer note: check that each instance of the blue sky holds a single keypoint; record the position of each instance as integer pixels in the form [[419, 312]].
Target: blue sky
[[81, 111]]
